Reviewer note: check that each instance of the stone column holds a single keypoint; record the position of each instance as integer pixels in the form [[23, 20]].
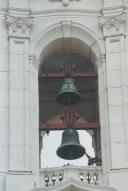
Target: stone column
[[34, 113], [4, 101], [103, 116], [125, 89], [23, 135], [19, 92], [115, 70], [116, 80]]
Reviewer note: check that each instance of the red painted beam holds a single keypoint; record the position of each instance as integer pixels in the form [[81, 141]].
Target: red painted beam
[[84, 75], [79, 126]]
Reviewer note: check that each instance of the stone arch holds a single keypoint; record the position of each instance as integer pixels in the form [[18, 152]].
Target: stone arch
[[67, 29]]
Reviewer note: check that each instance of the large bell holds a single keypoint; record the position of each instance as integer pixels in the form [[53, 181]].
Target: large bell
[[70, 148], [68, 94]]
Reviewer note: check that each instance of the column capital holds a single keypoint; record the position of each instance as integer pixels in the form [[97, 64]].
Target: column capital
[[17, 25], [113, 24]]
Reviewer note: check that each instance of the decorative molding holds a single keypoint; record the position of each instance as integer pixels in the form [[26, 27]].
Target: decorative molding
[[101, 60], [19, 172], [113, 21], [64, 2], [16, 24], [74, 184], [33, 60]]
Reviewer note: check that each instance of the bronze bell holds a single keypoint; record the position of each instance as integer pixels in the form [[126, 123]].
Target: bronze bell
[[68, 94], [70, 148]]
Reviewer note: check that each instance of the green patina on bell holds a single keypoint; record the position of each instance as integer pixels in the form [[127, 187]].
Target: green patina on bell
[[68, 94], [70, 148]]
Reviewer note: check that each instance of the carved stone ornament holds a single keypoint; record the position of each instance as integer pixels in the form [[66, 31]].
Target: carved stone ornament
[[101, 60], [113, 21], [34, 61], [19, 23], [64, 2]]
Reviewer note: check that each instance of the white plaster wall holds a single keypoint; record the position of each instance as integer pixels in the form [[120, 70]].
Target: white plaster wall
[[112, 3], [118, 179], [18, 4], [3, 3]]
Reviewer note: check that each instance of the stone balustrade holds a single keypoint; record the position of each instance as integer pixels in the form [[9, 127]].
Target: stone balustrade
[[54, 176]]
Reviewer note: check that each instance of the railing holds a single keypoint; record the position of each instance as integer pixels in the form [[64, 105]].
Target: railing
[[54, 176]]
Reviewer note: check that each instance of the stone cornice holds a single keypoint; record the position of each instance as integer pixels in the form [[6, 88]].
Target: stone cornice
[[66, 13], [115, 9], [18, 172], [17, 23], [46, 13], [112, 10]]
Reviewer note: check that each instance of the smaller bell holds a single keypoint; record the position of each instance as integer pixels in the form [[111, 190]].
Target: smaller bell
[[70, 148], [68, 94]]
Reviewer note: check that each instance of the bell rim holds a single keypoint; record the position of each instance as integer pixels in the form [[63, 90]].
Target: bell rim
[[60, 100], [80, 148]]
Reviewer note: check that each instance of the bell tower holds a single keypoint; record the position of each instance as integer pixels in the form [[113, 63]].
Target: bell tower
[[43, 43]]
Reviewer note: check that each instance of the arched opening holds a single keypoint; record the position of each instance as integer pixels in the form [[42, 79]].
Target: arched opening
[[80, 60]]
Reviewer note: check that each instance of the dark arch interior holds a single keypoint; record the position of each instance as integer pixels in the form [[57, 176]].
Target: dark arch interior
[[52, 58], [48, 88]]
